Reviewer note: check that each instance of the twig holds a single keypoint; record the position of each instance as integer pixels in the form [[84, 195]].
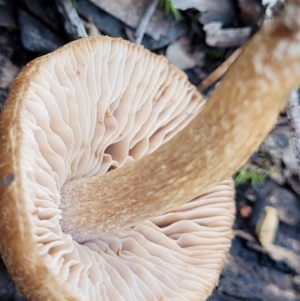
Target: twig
[[144, 21], [72, 22], [293, 112], [219, 72], [92, 29]]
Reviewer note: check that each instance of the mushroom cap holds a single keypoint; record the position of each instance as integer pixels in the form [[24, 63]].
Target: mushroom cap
[[90, 107]]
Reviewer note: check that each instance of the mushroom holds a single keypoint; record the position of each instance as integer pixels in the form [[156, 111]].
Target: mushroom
[[134, 102], [111, 188]]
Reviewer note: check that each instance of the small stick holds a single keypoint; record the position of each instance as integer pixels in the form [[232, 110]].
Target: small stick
[[144, 21], [72, 22], [293, 112], [220, 71]]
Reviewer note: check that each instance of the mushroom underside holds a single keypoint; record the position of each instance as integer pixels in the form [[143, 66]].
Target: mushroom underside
[[91, 107]]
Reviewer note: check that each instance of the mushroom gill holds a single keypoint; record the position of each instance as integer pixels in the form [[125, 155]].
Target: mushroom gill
[[92, 106], [157, 226]]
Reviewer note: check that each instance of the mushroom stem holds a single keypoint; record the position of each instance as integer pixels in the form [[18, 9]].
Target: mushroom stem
[[217, 142]]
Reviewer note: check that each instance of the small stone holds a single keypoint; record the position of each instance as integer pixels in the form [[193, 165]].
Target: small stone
[[287, 205], [216, 36], [211, 10], [6, 18], [289, 159], [8, 72], [36, 36], [296, 282], [177, 55], [45, 11], [275, 144]]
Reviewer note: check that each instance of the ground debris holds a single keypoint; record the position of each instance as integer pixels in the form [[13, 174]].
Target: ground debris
[[7, 19], [211, 10], [72, 23], [293, 112], [217, 36], [219, 72], [178, 54], [144, 21], [8, 72], [36, 36], [130, 12]]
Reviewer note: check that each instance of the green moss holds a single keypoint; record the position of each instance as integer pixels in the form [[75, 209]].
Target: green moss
[[169, 8], [248, 174]]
